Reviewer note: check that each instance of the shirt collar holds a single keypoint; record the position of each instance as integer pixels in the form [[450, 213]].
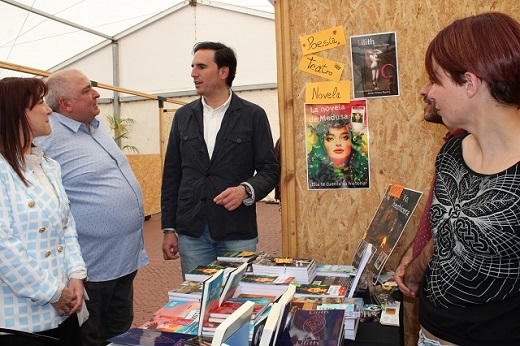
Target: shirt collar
[[224, 105], [73, 124]]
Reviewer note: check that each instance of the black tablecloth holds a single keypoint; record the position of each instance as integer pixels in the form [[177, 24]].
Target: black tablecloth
[[374, 333]]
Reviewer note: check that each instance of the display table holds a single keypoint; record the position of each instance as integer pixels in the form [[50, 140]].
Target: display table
[[374, 333], [369, 333]]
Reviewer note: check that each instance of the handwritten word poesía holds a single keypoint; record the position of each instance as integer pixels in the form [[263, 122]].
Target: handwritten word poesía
[[313, 44]]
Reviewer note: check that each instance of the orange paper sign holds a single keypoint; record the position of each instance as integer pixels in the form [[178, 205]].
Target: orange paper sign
[[328, 92], [323, 40], [322, 67], [396, 190]]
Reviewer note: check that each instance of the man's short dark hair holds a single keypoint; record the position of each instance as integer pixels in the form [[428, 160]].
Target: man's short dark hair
[[224, 56]]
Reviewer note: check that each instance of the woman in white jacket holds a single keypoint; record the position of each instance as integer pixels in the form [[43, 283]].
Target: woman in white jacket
[[41, 268]]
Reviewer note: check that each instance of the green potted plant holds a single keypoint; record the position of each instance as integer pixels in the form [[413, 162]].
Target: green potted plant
[[120, 127]]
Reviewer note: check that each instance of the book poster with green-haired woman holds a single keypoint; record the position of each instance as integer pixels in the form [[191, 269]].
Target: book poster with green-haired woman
[[337, 145]]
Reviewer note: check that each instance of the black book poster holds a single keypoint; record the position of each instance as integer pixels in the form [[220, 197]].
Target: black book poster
[[385, 229], [337, 145], [374, 65]]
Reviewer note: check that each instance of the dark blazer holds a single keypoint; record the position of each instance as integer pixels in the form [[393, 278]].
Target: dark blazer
[[244, 145]]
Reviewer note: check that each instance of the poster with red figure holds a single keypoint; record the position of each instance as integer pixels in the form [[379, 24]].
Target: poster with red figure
[[374, 65]]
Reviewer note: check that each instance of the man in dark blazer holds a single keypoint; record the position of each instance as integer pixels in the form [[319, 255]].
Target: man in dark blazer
[[220, 159]]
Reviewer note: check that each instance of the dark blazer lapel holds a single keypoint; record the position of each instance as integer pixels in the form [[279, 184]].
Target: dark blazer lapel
[[228, 123], [197, 114]]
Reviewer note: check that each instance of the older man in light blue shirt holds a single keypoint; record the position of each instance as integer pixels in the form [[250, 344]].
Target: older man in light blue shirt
[[106, 201]]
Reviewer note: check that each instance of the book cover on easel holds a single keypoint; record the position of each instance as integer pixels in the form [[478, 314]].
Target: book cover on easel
[[387, 226]]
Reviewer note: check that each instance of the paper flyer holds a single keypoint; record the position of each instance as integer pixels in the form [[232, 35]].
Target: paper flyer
[[374, 65]]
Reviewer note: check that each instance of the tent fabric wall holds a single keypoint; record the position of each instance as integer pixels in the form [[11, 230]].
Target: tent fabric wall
[[328, 225]]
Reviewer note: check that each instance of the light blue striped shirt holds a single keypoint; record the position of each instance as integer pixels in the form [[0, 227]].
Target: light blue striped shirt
[[106, 199]]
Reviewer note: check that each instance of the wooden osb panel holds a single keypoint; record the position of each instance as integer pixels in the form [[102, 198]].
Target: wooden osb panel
[[165, 124], [148, 171], [328, 225]]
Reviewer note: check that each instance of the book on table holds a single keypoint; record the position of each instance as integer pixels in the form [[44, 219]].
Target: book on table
[[232, 283], [303, 269], [211, 290], [138, 336], [345, 281], [352, 308], [238, 256], [273, 285], [313, 290], [188, 289], [203, 272], [265, 330], [197, 340], [323, 326], [176, 316], [335, 270], [234, 331], [233, 303], [350, 333], [285, 302]]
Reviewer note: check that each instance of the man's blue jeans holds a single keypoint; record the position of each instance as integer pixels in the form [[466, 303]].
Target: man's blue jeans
[[204, 250]]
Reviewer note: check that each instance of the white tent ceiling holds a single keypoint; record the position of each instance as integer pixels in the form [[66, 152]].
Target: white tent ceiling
[[37, 41]]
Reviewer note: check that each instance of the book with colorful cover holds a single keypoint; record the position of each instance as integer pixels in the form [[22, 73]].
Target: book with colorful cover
[[312, 290], [312, 303], [238, 256], [324, 326], [176, 316], [335, 270], [261, 303], [198, 340], [187, 289], [303, 269], [232, 283], [391, 217], [227, 308], [234, 331], [265, 284], [179, 308], [211, 289], [333, 280], [203, 272], [138, 336], [352, 308]]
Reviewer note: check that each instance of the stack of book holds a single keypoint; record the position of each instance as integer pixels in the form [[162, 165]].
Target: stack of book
[[267, 285], [302, 269], [335, 270], [229, 306], [351, 307], [322, 327], [204, 272], [238, 256], [176, 316], [188, 290], [325, 286]]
